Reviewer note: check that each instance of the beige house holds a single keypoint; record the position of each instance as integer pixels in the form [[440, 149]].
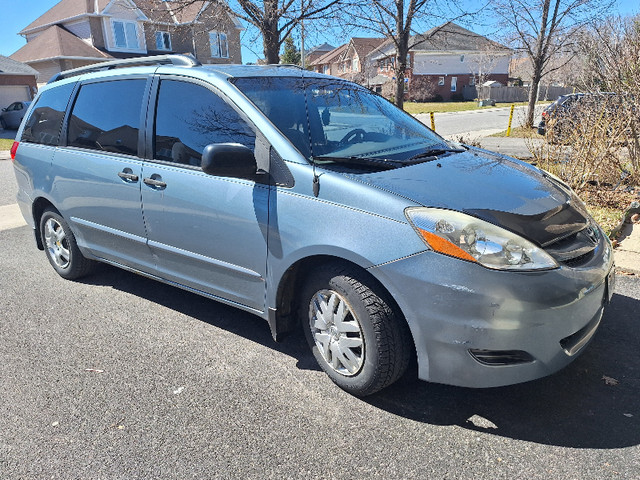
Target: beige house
[[75, 33]]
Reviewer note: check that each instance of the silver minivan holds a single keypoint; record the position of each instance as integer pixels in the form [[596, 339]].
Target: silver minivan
[[308, 200]]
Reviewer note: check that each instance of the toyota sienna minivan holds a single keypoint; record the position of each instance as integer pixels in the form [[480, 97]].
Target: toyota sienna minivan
[[310, 201]]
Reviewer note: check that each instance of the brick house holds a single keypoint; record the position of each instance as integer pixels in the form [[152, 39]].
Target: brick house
[[74, 33], [446, 61], [348, 60]]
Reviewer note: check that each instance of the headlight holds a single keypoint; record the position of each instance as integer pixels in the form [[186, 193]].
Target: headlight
[[469, 238]]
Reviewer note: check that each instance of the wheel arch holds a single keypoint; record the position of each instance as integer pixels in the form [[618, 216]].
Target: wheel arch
[[285, 320], [39, 205]]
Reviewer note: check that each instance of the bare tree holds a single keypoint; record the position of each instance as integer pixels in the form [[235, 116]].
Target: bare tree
[[544, 30], [393, 20], [274, 20]]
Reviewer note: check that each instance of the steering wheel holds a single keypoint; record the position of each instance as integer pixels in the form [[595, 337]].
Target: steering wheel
[[354, 136]]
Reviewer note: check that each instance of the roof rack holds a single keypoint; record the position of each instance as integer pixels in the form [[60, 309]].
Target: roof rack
[[178, 60]]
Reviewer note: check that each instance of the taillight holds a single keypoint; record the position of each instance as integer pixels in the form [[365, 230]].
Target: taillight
[[14, 149], [545, 114]]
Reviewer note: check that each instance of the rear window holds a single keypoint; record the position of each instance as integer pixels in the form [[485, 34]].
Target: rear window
[[106, 116], [45, 121]]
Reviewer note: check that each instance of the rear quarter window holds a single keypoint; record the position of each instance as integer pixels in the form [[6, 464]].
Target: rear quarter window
[[45, 121]]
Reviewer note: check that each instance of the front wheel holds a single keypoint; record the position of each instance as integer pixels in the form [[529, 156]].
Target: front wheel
[[355, 335], [61, 248]]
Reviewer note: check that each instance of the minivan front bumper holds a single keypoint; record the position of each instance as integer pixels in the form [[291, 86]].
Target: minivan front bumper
[[476, 327]]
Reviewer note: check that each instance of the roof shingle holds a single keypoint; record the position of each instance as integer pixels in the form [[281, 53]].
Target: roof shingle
[[55, 42]]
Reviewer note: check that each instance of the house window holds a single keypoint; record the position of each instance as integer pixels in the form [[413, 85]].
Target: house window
[[354, 65], [472, 80], [219, 45], [163, 41], [125, 34], [440, 81], [454, 83]]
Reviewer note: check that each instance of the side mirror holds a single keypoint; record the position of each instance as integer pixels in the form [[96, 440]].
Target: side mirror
[[4, 109], [229, 160]]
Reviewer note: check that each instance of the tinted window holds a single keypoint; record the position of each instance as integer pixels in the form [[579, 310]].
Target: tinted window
[[329, 118], [190, 117], [45, 121], [106, 116]]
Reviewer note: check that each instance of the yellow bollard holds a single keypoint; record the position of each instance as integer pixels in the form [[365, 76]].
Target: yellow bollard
[[510, 118], [433, 122]]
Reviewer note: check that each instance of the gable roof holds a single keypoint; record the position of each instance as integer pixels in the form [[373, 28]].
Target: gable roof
[[56, 42], [13, 67], [324, 48], [330, 56], [363, 46], [155, 10], [445, 37], [66, 9]]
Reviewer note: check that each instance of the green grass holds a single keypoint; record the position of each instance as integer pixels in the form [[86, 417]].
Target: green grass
[[607, 217], [5, 143], [440, 107]]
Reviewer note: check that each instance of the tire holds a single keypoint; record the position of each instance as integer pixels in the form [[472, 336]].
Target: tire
[[61, 248], [355, 335]]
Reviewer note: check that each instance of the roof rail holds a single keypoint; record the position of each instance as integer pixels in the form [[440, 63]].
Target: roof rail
[[178, 60]]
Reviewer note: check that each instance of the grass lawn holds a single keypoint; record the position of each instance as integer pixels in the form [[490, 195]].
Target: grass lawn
[[5, 143], [440, 107]]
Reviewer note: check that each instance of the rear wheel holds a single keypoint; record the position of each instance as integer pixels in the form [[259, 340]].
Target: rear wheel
[[355, 335], [61, 248]]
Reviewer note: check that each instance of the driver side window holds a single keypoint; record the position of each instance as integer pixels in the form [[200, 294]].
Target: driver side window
[[189, 117]]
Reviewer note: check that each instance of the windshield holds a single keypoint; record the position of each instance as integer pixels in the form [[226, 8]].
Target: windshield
[[344, 121]]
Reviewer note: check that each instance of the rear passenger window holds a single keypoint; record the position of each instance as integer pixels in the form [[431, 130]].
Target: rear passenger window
[[45, 121], [106, 116], [190, 117]]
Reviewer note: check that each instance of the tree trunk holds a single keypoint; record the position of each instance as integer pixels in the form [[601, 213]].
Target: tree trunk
[[270, 34], [533, 96], [538, 61]]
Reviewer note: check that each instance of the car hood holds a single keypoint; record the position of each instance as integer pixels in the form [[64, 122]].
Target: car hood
[[495, 188]]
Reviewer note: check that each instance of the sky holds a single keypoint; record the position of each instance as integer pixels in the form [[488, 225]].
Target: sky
[[17, 14]]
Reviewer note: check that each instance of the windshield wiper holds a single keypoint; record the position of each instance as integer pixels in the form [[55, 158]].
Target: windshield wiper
[[433, 153], [365, 161]]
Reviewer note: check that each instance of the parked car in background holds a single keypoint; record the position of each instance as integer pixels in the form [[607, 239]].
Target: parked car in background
[[560, 117], [314, 203], [11, 116]]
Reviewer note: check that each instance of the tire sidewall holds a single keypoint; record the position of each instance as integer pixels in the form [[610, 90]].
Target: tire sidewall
[[68, 272], [361, 382]]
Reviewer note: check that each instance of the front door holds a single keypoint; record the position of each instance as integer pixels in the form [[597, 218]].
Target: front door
[[207, 232]]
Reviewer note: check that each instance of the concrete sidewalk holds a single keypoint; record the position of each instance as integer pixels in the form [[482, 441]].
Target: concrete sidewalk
[[627, 252]]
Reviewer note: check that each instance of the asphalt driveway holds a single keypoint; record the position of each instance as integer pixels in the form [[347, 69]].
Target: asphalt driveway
[[119, 376]]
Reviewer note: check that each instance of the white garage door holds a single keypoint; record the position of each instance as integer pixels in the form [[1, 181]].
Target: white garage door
[[12, 93]]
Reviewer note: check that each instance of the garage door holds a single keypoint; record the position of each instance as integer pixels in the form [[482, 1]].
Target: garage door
[[12, 93]]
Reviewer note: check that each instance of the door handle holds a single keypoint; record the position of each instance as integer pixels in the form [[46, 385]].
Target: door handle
[[154, 182], [128, 175]]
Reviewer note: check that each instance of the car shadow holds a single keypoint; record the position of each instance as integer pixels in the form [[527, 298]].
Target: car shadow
[[593, 403], [234, 320]]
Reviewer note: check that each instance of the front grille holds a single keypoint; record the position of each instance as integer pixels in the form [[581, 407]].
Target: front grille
[[577, 249]]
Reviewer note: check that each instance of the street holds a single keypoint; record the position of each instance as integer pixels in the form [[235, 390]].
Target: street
[[477, 123], [118, 376]]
